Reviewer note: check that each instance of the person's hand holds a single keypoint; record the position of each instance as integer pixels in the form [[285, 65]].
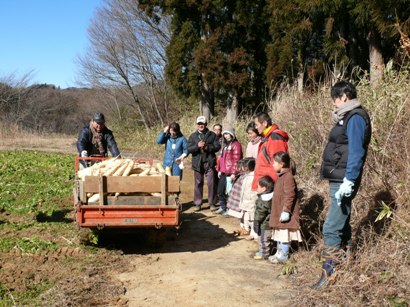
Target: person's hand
[[201, 144], [219, 174], [232, 177], [166, 129], [345, 190], [284, 217], [84, 154], [178, 160]]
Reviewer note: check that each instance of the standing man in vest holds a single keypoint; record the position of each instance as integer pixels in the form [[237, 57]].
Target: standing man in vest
[[202, 145], [342, 165], [273, 140]]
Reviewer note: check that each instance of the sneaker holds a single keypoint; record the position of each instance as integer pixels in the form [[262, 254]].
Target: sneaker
[[196, 209], [219, 211], [225, 213], [213, 208], [278, 259], [258, 256]]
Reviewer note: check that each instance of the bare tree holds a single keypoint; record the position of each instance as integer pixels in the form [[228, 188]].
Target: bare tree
[[127, 54]]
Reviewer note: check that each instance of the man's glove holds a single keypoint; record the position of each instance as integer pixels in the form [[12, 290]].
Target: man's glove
[[84, 154], [284, 217], [345, 190], [256, 227]]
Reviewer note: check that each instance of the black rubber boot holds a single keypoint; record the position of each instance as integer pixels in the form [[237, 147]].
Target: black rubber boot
[[328, 276]]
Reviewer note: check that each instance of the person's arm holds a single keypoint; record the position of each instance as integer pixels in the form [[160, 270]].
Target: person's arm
[[112, 145], [236, 154], [162, 138], [82, 141], [213, 145], [185, 152], [355, 131], [192, 144], [289, 194]]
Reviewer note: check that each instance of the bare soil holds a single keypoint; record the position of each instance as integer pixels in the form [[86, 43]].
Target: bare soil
[[200, 264]]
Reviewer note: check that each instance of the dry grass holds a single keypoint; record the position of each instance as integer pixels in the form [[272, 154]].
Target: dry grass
[[12, 137], [378, 273]]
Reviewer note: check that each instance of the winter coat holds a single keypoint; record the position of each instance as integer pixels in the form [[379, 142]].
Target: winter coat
[[274, 141], [200, 157], [235, 194], [174, 148], [85, 138], [338, 150], [252, 148], [231, 154], [248, 197], [263, 207], [285, 198]]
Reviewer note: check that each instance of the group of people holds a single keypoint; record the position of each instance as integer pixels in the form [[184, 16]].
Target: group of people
[[259, 188]]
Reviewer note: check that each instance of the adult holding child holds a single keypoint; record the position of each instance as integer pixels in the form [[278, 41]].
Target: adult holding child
[[343, 161], [176, 148], [203, 144], [273, 140]]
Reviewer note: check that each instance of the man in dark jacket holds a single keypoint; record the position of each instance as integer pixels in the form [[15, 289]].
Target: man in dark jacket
[[96, 139], [343, 161], [203, 144]]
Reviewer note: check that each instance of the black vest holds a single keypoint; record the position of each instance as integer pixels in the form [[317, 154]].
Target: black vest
[[336, 151]]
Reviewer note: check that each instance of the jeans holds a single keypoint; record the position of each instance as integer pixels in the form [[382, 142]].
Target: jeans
[[337, 231]]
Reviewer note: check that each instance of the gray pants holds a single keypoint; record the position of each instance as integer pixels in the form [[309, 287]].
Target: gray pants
[[199, 177]]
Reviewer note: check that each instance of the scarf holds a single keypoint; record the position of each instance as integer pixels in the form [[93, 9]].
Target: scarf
[[97, 139], [340, 112], [256, 140]]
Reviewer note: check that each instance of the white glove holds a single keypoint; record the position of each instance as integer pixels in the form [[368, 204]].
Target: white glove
[[345, 190], [84, 154], [284, 217]]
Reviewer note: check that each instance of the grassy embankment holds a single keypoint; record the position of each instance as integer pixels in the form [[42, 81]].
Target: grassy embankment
[[377, 274]]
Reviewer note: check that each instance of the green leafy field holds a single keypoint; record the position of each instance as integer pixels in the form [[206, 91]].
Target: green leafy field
[[34, 182]]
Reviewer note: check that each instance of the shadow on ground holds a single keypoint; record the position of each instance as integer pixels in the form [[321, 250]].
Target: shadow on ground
[[57, 216], [198, 232]]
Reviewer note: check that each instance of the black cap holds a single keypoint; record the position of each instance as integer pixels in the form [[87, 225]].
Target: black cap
[[99, 118]]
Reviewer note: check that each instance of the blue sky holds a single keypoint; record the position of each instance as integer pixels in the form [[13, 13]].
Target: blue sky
[[44, 36]]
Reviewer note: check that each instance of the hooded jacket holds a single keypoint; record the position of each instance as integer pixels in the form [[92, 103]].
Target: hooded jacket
[[274, 141], [263, 210], [230, 155]]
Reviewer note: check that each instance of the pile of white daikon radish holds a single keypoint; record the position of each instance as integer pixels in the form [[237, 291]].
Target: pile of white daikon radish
[[121, 167]]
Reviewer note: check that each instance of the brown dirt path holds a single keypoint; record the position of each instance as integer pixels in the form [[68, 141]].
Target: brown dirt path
[[205, 266]]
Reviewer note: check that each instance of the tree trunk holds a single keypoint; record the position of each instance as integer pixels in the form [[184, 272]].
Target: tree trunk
[[232, 110], [375, 57], [206, 102]]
